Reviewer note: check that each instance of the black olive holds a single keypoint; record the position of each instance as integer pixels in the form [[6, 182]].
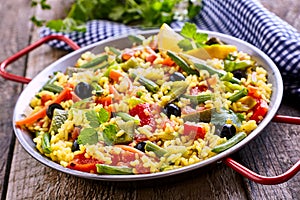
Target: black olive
[[212, 41], [239, 74], [228, 131], [75, 146], [172, 109], [140, 146], [50, 109], [83, 90], [177, 76]]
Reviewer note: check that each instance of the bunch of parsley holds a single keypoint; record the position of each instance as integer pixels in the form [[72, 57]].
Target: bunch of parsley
[[142, 13]]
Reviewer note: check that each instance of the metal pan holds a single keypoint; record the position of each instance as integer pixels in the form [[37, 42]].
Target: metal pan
[[34, 86]]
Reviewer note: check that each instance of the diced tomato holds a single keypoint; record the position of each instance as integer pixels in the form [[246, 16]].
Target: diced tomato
[[260, 110], [45, 98], [194, 130], [143, 111], [81, 163], [198, 89], [151, 58]]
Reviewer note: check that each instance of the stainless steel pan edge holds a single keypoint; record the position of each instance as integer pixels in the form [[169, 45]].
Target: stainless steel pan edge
[[121, 42]]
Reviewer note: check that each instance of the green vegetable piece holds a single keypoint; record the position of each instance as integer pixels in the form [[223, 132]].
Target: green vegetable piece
[[94, 62], [126, 117], [131, 63], [46, 143], [114, 66], [177, 89], [155, 148], [136, 39], [149, 85], [52, 88], [243, 92], [201, 65], [98, 89], [128, 135], [114, 51], [87, 136], [181, 63], [59, 118], [232, 86], [198, 116], [113, 170], [196, 99], [229, 143], [230, 66]]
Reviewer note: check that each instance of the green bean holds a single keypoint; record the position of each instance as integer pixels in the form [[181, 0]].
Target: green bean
[[94, 62], [196, 99], [243, 92], [97, 88], [46, 143], [52, 88], [229, 143], [230, 66], [181, 63], [149, 85], [113, 170], [127, 117], [155, 148], [115, 51]]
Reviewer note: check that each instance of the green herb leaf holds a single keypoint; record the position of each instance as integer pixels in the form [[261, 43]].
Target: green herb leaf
[[185, 45], [188, 30], [103, 115], [93, 118], [109, 134], [219, 118], [88, 136]]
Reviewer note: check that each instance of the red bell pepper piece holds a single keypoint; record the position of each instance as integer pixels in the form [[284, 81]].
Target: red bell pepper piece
[[260, 110], [194, 130], [81, 163]]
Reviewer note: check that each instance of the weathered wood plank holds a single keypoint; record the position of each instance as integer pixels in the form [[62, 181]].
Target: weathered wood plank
[[14, 36], [31, 180]]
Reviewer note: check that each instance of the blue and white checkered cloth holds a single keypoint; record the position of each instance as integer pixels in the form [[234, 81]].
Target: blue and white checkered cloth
[[244, 19]]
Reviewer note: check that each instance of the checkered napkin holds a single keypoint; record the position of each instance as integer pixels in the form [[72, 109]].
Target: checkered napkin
[[244, 19]]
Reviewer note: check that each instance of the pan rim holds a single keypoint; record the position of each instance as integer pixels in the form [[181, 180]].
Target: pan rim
[[275, 100]]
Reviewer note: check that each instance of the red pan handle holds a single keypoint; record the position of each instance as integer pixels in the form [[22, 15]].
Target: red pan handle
[[26, 50], [264, 179]]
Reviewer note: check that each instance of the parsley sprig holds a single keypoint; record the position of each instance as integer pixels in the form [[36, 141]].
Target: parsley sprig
[[143, 13]]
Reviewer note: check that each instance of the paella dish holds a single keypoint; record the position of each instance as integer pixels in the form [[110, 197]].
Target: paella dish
[[169, 101]]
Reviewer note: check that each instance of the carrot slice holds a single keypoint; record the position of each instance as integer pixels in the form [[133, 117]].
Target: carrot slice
[[130, 149], [115, 75], [65, 94]]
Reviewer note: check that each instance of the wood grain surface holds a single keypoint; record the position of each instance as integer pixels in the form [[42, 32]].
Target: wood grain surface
[[22, 177]]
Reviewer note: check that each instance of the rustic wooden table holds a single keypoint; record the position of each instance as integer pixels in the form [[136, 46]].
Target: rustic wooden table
[[22, 177]]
